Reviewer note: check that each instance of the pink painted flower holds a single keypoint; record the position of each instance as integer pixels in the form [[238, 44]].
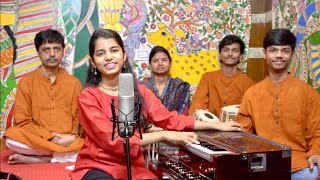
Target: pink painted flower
[[301, 5], [144, 65], [153, 26], [180, 15], [166, 17], [143, 40], [274, 3], [181, 49], [241, 10]]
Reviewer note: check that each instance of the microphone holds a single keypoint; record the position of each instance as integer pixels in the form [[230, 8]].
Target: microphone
[[126, 120], [126, 105]]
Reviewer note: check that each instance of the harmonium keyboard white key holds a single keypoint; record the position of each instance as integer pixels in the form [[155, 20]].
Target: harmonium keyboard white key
[[206, 150]]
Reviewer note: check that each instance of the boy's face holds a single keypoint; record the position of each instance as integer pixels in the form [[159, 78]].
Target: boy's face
[[230, 55], [278, 57]]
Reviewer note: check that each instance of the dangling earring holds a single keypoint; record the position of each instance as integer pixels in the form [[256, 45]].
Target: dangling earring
[[95, 71], [124, 65]]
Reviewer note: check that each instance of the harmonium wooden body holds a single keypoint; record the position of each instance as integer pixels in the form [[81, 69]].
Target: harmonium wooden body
[[223, 156]]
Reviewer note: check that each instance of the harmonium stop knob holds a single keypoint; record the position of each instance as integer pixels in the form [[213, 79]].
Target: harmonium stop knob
[[210, 170], [182, 171], [168, 163]]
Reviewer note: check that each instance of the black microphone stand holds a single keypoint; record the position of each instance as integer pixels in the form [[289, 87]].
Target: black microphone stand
[[127, 132], [4, 175]]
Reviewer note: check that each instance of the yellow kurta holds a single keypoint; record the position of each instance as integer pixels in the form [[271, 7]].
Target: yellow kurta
[[287, 112], [42, 108], [217, 90]]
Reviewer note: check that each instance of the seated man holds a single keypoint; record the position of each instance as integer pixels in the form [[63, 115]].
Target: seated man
[[226, 86], [45, 111], [284, 109]]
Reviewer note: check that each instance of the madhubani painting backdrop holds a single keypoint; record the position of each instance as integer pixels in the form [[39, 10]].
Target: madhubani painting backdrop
[[303, 18], [189, 29]]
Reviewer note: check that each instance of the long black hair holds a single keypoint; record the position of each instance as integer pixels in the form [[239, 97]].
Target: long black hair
[[94, 80], [107, 34]]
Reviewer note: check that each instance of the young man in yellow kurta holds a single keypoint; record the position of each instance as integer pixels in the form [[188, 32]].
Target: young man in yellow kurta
[[226, 86], [283, 108], [46, 108]]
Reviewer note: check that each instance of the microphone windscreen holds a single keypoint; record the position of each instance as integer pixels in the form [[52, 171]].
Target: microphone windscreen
[[126, 104], [126, 87]]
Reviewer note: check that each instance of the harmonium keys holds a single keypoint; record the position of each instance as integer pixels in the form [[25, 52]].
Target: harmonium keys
[[206, 150]]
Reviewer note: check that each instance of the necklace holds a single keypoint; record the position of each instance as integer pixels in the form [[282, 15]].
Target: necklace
[[108, 88]]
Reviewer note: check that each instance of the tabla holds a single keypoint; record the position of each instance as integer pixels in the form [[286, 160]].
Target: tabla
[[203, 115], [229, 113]]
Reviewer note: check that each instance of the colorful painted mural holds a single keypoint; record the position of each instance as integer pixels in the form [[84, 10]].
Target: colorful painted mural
[[8, 53], [189, 29], [303, 18]]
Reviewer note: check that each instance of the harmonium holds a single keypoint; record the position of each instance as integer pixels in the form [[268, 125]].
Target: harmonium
[[222, 156]]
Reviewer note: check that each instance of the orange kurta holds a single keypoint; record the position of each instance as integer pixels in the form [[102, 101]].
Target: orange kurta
[[42, 108], [286, 112], [217, 90]]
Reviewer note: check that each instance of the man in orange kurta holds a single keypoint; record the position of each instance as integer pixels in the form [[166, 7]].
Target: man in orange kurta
[[46, 108], [284, 109], [226, 86]]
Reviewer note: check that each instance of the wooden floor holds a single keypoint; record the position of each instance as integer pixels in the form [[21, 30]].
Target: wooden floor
[[46, 171]]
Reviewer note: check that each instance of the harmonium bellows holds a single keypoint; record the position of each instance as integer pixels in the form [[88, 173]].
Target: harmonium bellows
[[222, 156]]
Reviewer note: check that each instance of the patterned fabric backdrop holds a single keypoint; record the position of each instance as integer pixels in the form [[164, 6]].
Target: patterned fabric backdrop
[[303, 18], [189, 29]]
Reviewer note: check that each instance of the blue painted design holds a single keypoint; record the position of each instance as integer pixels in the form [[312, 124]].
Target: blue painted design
[[299, 37], [310, 9], [301, 21], [315, 59]]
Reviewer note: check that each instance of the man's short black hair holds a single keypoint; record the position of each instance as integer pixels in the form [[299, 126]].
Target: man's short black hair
[[230, 39], [48, 36], [279, 37]]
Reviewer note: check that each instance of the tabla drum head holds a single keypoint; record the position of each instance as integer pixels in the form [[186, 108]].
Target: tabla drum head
[[203, 115]]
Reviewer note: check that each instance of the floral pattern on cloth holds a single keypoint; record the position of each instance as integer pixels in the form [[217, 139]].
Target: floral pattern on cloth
[[175, 95]]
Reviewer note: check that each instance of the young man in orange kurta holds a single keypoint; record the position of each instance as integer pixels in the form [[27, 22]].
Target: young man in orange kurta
[[226, 86], [284, 109], [46, 108]]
